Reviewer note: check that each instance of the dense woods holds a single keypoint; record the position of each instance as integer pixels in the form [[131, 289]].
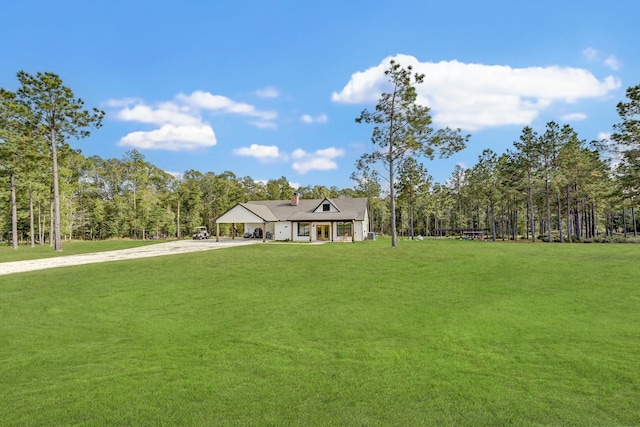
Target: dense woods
[[552, 183]]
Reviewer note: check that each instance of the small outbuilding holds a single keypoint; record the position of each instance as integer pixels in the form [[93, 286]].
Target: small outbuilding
[[305, 220]]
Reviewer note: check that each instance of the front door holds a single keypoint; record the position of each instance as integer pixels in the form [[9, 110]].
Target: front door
[[323, 232]]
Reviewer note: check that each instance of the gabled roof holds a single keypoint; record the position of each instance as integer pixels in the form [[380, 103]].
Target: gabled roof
[[260, 210], [282, 210], [245, 212], [327, 200]]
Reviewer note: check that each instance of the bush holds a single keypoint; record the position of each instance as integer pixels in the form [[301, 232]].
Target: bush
[[615, 239]]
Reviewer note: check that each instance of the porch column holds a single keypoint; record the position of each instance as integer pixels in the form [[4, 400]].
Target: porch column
[[217, 232], [353, 231], [264, 232], [233, 231]]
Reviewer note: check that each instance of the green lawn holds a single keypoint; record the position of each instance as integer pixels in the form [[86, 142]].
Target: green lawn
[[75, 247], [429, 333]]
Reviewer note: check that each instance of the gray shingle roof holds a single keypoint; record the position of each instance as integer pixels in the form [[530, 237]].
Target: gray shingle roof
[[282, 210], [262, 211]]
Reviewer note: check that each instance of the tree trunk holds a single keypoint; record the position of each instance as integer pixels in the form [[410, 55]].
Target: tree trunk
[[392, 196], [502, 221], [178, 230], [31, 226], [14, 213], [585, 220], [531, 217], [568, 214], [493, 220], [560, 218], [40, 225], [411, 215], [135, 215], [459, 223], [56, 194], [576, 221], [509, 224], [51, 215], [547, 198], [633, 219], [435, 220]]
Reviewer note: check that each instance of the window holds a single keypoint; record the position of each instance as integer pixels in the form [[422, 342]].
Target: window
[[303, 229], [326, 207], [344, 229]]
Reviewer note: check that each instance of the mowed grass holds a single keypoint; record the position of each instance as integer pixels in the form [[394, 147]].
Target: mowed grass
[[429, 333], [75, 247]]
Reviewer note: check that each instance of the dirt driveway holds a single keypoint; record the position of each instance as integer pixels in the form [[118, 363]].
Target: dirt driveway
[[170, 248]]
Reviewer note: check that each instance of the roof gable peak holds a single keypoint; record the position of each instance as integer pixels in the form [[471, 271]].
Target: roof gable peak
[[326, 205]]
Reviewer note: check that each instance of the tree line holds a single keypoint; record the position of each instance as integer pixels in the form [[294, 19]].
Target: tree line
[[551, 186], [130, 198]]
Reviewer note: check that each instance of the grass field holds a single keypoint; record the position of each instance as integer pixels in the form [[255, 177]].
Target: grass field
[[75, 247], [429, 333]]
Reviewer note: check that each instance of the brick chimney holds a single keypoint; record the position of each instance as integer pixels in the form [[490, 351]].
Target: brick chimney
[[295, 199]]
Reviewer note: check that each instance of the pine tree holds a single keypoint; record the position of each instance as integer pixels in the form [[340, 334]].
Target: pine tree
[[402, 129]]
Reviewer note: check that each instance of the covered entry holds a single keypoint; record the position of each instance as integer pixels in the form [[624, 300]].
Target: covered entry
[[255, 217]]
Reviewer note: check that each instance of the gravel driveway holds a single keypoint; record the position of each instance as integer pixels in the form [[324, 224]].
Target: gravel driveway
[[170, 248]]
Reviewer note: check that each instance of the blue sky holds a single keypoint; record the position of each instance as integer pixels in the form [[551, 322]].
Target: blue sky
[[271, 88]]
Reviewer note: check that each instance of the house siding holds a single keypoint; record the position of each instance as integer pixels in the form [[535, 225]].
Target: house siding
[[282, 231], [281, 218]]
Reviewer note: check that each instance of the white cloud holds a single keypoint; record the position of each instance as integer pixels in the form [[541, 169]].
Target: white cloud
[[304, 166], [166, 113], [172, 138], [615, 154], [319, 160], [299, 154], [322, 118], [303, 161], [177, 175], [476, 96], [124, 102], [574, 117], [268, 92], [179, 122], [612, 62], [330, 152], [591, 54], [264, 125], [604, 136], [262, 152], [218, 103]]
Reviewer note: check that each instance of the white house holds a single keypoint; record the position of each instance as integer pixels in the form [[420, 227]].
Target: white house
[[301, 220]]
